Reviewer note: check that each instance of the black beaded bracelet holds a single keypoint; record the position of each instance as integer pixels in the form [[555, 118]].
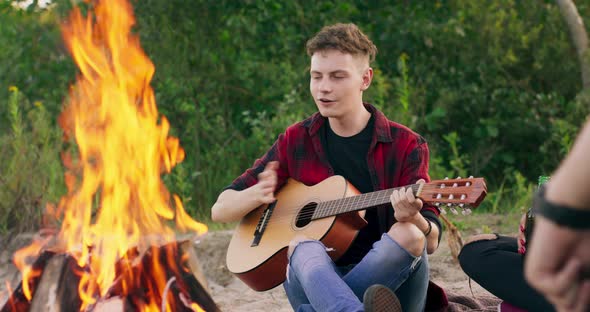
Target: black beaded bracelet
[[429, 228], [562, 215]]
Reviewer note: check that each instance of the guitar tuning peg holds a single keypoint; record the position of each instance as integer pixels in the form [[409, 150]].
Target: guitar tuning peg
[[455, 184], [439, 196], [437, 204], [459, 177], [471, 177], [454, 211], [466, 211], [443, 211]]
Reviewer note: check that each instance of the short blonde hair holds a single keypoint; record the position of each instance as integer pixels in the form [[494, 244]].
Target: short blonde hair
[[346, 38]]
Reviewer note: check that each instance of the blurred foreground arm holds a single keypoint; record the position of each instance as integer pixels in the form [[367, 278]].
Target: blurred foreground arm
[[558, 259]]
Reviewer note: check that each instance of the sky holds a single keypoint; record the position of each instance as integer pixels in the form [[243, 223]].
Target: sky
[[26, 3]]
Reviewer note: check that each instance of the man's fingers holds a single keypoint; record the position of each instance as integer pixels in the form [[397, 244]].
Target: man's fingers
[[394, 198], [413, 201], [583, 301], [566, 284], [409, 195], [567, 277], [272, 165]]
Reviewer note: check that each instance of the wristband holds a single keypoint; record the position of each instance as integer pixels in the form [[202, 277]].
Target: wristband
[[429, 228], [562, 215]]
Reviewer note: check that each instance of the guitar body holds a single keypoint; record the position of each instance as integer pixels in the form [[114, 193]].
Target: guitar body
[[331, 211], [263, 267]]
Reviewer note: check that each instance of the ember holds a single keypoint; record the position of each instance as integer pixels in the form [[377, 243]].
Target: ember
[[117, 244]]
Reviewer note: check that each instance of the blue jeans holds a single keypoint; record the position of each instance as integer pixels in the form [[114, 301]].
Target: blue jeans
[[315, 283]]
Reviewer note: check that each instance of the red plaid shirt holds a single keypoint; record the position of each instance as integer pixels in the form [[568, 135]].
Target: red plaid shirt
[[397, 157]]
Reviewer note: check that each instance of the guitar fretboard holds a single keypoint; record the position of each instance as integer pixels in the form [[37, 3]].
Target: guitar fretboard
[[358, 202]]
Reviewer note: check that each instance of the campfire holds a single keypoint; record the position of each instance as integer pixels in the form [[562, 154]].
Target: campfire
[[121, 242]]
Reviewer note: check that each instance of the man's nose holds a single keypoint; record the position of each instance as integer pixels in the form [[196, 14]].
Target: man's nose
[[325, 86]]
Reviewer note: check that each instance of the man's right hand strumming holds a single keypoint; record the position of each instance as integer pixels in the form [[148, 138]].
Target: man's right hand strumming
[[264, 190], [232, 205]]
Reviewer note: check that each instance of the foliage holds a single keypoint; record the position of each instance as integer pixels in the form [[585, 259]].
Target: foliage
[[493, 86], [29, 162]]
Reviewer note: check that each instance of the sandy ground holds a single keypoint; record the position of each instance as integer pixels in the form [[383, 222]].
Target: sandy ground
[[230, 293]]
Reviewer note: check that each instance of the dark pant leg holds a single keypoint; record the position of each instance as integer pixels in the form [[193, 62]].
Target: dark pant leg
[[497, 266]]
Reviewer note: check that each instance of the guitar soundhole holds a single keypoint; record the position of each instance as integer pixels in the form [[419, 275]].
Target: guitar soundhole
[[304, 216]]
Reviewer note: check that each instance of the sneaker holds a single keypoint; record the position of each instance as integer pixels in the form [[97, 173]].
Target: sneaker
[[379, 298], [507, 307]]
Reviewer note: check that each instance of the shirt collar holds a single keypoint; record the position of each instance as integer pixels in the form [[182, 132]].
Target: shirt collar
[[382, 131]]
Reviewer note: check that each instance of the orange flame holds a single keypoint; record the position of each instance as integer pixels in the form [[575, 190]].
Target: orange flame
[[116, 200], [24, 265]]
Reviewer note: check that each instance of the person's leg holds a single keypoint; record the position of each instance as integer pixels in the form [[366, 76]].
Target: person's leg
[[313, 284], [412, 293], [495, 264], [389, 264]]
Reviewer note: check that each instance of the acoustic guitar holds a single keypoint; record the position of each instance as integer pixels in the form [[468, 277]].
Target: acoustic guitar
[[331, 211]]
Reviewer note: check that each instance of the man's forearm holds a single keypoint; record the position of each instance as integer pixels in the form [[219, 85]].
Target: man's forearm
[[232, 205], [569, 184], [432, 237]]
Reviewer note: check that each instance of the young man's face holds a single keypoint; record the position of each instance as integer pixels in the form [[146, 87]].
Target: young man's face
[[337, 82]]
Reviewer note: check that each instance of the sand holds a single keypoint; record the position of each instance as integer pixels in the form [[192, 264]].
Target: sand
[[231, 294]]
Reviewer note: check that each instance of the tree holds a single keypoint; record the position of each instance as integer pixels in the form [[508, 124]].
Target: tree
[[578, 35]]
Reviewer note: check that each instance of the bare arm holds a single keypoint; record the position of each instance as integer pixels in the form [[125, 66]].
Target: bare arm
[[559, 255], [569, 184], [232, 205], [432, 237]]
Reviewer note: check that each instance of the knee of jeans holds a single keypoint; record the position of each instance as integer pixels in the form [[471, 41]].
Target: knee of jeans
[[307, 244], [408, 236]]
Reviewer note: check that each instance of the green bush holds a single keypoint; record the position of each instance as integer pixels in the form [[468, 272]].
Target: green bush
[[31, 173], [493, 86]]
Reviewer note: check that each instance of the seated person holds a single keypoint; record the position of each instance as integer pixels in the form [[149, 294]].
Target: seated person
[[496, 262], [353, 139]]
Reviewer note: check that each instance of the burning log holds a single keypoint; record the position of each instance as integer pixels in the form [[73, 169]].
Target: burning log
[[55, 288], [117, 246]]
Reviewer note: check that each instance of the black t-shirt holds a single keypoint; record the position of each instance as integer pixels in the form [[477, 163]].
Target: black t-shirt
[[348, 158]]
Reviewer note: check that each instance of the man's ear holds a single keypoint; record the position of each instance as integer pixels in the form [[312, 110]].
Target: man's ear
[[367, 78]]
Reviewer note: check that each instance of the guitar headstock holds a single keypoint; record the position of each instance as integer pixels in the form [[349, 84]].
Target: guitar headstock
[[463, 193]]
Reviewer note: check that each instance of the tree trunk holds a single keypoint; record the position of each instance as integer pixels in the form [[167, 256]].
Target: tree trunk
[[578, 35]]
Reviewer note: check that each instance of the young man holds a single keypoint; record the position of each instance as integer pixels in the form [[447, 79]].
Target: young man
[[350, 138]]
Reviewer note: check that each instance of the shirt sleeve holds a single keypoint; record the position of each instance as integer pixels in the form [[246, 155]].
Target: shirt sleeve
[[275, 153], [416, 168]]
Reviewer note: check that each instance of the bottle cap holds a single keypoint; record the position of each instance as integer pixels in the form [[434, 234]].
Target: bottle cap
[[543, 180]]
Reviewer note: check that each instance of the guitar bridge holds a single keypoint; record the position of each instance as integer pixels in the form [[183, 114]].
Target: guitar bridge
[[261, 226]]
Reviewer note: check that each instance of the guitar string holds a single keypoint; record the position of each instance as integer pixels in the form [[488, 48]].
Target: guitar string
[[331, 206], [285, 213], [284, 217]]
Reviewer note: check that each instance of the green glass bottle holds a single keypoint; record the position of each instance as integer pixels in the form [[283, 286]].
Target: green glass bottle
[[530, 215]]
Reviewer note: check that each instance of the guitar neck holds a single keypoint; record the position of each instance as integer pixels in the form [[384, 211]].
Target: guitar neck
[[359, 202]]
